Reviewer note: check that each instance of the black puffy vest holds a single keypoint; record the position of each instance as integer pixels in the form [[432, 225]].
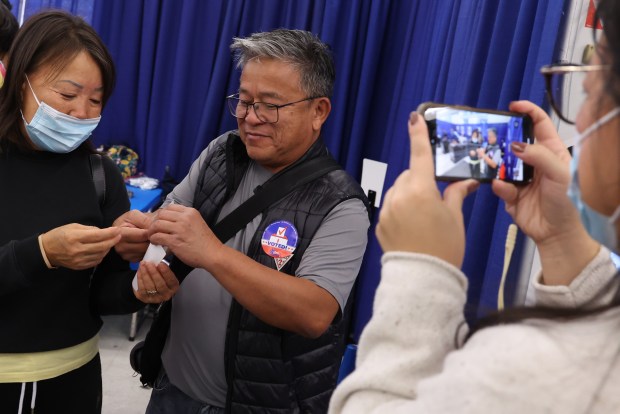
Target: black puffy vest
[[270, 370]]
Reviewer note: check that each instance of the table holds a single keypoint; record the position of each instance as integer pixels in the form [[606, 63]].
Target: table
[[143, 200]]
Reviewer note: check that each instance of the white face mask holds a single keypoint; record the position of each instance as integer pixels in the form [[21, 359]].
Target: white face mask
[[600, 227], [53, 131]]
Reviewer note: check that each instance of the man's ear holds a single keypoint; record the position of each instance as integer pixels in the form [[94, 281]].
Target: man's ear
[[322, 108]]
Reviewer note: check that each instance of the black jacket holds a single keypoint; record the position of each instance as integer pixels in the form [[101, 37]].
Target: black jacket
[[270, 370], [45, 309]]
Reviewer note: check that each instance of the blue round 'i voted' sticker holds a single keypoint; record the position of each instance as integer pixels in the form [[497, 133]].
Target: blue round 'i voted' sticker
[[279, 239]]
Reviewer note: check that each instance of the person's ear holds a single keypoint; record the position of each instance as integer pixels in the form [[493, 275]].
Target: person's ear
[[321, 109]]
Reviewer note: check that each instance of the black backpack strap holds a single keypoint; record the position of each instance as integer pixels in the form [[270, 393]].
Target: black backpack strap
[[271, 192], [96, 169]]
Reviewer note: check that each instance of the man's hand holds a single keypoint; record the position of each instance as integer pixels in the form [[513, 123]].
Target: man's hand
[[134, 235], [156, 283], [185, 233]]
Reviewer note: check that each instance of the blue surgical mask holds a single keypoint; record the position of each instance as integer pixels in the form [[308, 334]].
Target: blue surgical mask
[[53, 131], [600, 227]]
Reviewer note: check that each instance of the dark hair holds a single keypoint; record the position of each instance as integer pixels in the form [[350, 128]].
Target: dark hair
[[518, 314], [53, 39], [608, 11], [300, 48], [8, 27]]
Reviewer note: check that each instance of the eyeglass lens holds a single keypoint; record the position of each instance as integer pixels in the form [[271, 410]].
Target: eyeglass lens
[[263, 111], [567, 91]]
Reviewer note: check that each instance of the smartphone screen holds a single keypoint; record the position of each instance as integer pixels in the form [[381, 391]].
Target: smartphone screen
[[475, 143]]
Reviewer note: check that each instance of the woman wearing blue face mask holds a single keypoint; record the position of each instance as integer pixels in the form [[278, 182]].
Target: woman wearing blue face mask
[[560, 356], [58, 269]]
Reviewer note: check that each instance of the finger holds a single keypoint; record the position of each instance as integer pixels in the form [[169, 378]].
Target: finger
[[131, 252], [175, 207], [134, 235], [455, 193], [543, 160], [421, 158], [151, 272], [165, 282], [387, 197], [544, 129], [176, 222], [171, 212], [145, 281], [100, 247], [168, 276], [506, 191], [403, 180], [134, 218], [96, 235], [132, 247]]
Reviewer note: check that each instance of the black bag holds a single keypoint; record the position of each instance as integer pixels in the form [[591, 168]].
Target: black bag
[[145, 357]]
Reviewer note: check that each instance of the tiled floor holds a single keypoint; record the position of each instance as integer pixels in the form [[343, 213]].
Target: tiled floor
[[122, 391]]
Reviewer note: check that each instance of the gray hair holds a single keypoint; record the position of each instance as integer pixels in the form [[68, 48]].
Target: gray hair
[[302, 49]]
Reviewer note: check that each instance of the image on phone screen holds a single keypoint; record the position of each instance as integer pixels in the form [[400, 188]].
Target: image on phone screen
[[472, 143]]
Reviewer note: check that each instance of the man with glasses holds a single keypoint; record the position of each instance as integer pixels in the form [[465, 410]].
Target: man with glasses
[[255, 329]]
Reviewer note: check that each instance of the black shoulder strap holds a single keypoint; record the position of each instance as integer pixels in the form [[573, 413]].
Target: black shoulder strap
[[96, 169], [271, 192]]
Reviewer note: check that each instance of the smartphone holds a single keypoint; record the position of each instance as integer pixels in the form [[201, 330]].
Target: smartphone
[[475, 143]]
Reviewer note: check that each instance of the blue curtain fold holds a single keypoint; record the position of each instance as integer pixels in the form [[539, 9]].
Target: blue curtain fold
[[175, 70], [82, 8]]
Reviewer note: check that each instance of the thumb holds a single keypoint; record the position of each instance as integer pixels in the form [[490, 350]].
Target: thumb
[[455, 193]]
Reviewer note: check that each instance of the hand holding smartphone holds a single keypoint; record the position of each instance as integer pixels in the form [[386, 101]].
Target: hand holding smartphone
[[475, 143]]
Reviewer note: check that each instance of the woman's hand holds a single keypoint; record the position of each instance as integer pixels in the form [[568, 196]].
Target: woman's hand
[[78, 247], [415, 217], [542, 209]]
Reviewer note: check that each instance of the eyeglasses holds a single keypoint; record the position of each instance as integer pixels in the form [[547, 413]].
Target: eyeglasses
[[264, 111], [564, 80]]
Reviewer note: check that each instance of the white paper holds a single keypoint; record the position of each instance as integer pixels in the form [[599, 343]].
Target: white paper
[[154, 254], [373, 178]]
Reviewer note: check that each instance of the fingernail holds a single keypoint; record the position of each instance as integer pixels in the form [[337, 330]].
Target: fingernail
[[413, 118], [518, 146]]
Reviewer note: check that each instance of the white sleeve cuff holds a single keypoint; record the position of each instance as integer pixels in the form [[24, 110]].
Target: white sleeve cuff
[[595, 286]]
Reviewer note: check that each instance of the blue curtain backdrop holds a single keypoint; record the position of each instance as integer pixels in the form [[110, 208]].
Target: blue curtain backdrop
[[82, 8], [175, 69]]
